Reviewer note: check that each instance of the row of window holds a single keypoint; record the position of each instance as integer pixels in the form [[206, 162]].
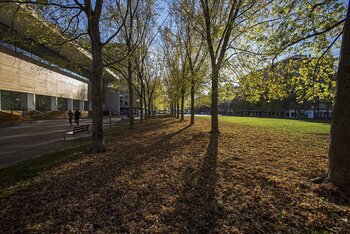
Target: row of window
[[18, 101]]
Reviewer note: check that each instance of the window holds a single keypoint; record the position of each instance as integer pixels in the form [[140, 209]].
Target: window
[[12, 100], [86, 106], [76, 104], [61, 104], [42, 103]]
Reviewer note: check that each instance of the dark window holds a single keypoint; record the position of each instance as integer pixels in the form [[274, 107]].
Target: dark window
[[76, 104], [42, 103], [86, 106], [13, 100], [61, 104]]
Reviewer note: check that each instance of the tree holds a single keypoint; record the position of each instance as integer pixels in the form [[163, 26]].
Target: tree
[[140, 15], [339, 156], [74, 20], [173, 55], [216, 24], [152, 82], [194, 45]]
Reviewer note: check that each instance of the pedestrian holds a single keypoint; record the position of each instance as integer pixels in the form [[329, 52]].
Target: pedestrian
[[70, 117], [77, 116]]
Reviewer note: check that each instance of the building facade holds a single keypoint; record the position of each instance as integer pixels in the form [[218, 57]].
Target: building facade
[[42, 77]]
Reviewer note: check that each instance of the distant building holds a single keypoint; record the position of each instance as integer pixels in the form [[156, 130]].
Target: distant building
[[286, 108], [117, 102]]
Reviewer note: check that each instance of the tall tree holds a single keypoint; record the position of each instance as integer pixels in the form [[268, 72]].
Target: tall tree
[[194, 44], [140, 15], [339, 156], [74, 20], [214, 19]]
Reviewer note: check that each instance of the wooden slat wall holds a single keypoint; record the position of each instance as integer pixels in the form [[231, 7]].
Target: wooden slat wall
[[22, 76]]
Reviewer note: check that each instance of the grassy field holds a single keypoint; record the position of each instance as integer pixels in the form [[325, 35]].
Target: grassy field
[[288, 126]]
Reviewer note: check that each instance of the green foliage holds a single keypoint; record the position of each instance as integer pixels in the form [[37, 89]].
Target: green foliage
[[226, 92], [302, 80]]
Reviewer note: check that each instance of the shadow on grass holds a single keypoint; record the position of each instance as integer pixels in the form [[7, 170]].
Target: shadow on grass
[[77, 182], [32, 167], [196, 209], [148, 126]]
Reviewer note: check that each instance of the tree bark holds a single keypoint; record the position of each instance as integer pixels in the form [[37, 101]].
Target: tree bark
[[141, 109], [182, 105], [131, 96], [339, 149], [177, 109], [145, 103], [149, 108], [141, 103], [214, 100], [98, 144], [192, 100]]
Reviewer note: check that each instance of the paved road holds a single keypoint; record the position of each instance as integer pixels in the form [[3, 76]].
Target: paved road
[[26, 141]]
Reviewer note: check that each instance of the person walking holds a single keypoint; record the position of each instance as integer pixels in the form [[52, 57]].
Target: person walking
[[77, 116], [70, 117]]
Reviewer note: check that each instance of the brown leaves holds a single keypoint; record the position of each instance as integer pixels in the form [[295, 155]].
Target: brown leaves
[[168, 177]]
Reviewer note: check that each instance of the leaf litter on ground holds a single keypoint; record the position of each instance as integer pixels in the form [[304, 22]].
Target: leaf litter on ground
[[168, 176]]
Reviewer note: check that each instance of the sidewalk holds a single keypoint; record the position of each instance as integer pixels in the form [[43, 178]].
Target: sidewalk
[[25, 141]]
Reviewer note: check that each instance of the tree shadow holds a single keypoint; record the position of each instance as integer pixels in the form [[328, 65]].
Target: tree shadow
[[74, 187], [196, 209], [151, 125], [334, 195]]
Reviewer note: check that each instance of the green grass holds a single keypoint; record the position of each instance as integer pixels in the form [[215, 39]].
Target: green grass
[[289, 126], [29, 168]]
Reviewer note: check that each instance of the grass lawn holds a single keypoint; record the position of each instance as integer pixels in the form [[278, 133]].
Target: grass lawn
[[288, 126], [169, 177]]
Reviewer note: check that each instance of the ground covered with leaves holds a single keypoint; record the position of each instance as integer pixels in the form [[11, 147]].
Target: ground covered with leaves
[[166, 176]]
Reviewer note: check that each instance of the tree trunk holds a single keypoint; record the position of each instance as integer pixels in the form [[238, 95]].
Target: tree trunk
[[182, 105], [192, 100], [177, 109], [339, 149], [153, 109], [141, 102], [171, 108], [141, 108], [327, 116], [314, 110], [98, 144], [214, 100], [145, 103], [149, 108], [131, 96]]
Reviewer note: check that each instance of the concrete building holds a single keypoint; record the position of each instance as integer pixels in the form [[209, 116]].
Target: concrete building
[[118, 102], [37, 76]]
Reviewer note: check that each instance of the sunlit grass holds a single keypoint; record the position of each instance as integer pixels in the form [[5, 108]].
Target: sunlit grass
[[285, 125]]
